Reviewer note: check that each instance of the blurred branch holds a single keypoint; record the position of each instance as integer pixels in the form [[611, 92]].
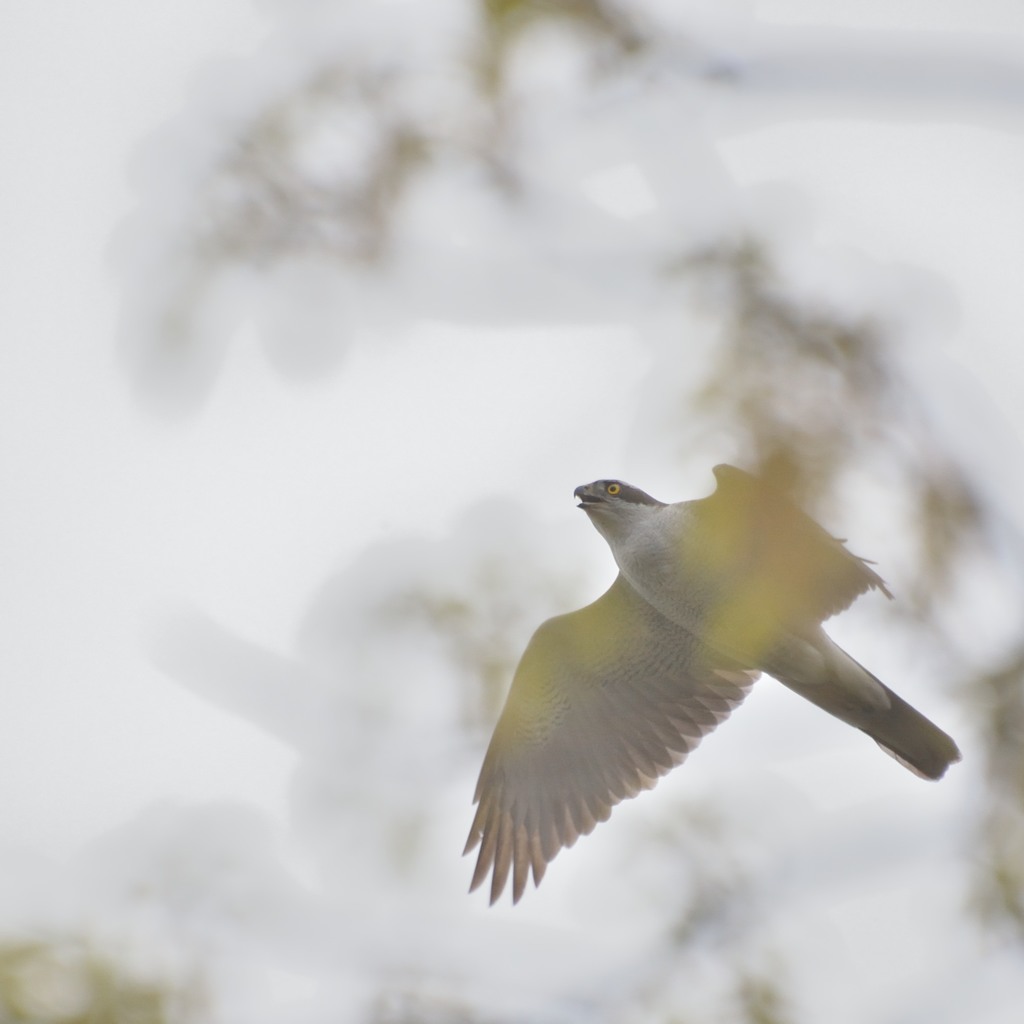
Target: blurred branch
[[841, 71]]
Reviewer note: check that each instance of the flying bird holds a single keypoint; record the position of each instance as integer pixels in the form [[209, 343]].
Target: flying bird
[[710, 594]]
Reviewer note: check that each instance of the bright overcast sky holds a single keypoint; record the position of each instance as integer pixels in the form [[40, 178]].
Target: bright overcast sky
[[82, 89], [112, 513]]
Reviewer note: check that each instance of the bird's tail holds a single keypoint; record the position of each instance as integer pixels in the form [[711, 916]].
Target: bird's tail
[[855, 696]]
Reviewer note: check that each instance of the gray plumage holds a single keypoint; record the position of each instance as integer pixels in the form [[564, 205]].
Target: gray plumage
[[607, 699]]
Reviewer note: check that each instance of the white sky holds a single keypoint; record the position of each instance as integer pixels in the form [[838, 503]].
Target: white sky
[[110, 514]]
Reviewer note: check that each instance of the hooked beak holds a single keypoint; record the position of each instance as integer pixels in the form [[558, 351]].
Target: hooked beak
[[588, 498]]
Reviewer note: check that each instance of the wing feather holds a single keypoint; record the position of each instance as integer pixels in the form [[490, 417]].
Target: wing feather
[[605, 701], [810, 574]]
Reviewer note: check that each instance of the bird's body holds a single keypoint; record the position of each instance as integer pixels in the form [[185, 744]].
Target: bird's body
[[709, 593]]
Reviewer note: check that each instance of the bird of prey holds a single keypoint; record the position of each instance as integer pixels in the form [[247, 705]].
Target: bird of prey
[[710, 593]]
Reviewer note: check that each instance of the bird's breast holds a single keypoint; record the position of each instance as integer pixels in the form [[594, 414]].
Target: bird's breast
[[662, 564], [685, 572]]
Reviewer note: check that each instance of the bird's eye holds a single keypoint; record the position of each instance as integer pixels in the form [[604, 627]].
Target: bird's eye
[[613, 489]]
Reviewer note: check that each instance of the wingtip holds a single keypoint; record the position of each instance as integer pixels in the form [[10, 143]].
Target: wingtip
[[497, 886]]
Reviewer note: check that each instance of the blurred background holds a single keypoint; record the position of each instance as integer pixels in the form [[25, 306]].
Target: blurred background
[[314, 315]]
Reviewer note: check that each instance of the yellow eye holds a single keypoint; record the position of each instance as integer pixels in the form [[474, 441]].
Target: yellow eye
[[613, 489]]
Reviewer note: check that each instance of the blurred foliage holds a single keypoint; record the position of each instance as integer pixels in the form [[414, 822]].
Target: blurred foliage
[[711, 890], [803, 390], [761, 1001], [478, 645], [611, 31], [998, 701], [482, 622], [715, 904], [324, 168], [811, 396], [66, 981], [293, 181]]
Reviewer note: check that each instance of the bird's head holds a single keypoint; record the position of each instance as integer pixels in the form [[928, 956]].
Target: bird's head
[[614, 506]]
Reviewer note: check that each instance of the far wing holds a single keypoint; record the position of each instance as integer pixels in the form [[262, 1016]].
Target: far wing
[[810, 574], [604, 701]]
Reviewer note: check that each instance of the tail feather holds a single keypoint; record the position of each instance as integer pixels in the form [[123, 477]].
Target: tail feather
[[899, 729], [917, 743]]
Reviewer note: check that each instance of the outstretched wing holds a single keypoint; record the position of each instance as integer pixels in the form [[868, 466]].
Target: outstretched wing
[[604, 701], [766, 538]]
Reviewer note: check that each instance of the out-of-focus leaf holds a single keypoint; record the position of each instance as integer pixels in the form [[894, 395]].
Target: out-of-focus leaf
[[999, 886], [762, 1001], [66, 981]]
